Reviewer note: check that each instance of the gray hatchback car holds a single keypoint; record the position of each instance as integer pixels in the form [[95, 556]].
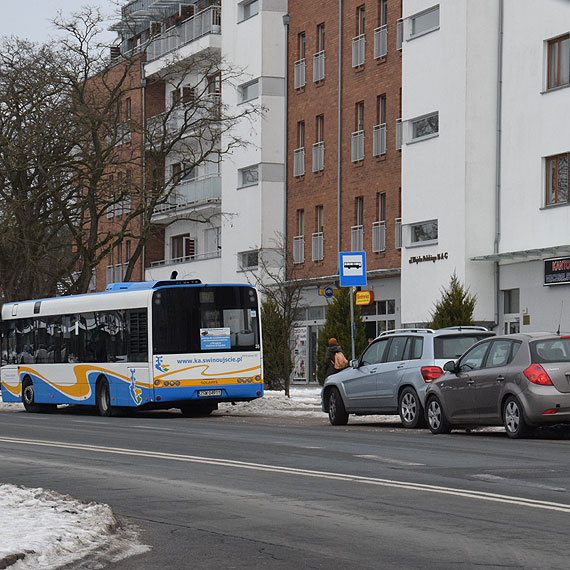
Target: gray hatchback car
[[519, 381], [392, 374]]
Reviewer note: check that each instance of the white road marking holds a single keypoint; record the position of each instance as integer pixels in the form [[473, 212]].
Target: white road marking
[[477, 495], [390, 460]]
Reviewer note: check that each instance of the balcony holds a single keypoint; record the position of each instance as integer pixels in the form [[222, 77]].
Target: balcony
[[318, 246], [380, 42], [299, 162], [207, 21], [399, 34], [299, 249], [190, 194], [379, 236], [358, 50], [398, 233], [187, 259], [379, 140], [319, 156], [319, 66], [399, 133], [357, 146], [357, 238], [299, 78]]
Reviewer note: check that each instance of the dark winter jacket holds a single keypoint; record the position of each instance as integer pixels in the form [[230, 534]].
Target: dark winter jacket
[[329, 359]]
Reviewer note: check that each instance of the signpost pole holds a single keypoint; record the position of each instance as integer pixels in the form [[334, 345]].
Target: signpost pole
[[352, 327]]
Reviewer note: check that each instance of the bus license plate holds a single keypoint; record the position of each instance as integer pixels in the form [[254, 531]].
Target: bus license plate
[[209, 393]]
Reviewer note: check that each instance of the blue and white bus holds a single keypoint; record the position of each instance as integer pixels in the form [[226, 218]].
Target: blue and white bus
[[165, 344]]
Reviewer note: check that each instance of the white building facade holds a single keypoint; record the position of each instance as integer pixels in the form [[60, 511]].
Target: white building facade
[[224, 215], [486, 142]]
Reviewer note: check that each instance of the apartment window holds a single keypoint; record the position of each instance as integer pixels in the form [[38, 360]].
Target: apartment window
[[319, 146], [511, 299], [321, 37], [176, 172], [360, 20], [424, 22], [128, 109], [424, 127], [557, 179], [319, 219], [359, 41], [381, 206], [559, 62], [175, 97], [299, 152], [300, 64], [300, 222], [248, 259], [423, 232], [319, 57], [318, 241], [249, 9], [359, 116], [382, 12], [182, 247], [357, 230], [301, 134], [302, 42], [188, 95], [357, 142], [249, 176], [249, 91], [215, 84], [381, 109], [358, 211]]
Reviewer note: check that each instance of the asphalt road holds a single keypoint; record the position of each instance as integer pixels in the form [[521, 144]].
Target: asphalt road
[[293, 493]]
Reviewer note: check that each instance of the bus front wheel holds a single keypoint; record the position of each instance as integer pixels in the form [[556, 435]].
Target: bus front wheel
[[103, 398], [28, 396]]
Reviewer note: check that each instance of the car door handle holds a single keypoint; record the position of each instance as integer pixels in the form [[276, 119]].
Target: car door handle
[[372, 370], [500, 378], [401, 365], [470, 382]]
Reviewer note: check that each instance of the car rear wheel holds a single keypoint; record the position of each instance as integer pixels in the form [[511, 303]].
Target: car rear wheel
[[337, 411], [411, 411], [513, 417], [436, 419]]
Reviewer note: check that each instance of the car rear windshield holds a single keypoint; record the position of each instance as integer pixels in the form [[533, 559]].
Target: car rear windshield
[[453, 346], [550, 350]]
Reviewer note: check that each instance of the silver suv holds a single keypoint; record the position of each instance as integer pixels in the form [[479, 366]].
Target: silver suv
[[392, 374]]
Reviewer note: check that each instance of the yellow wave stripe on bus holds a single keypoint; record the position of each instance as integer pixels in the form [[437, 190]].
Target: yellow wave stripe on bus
[[203, 373], [81, 371], [14, 390]]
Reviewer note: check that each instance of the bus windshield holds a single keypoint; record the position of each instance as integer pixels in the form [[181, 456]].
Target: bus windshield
[[205, 319]]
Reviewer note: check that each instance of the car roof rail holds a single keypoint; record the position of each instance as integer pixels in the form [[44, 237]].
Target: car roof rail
[[397, 331], [465, 328]]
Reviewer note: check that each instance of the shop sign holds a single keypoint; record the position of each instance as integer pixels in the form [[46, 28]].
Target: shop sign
[[433, 258], [364, 298], [557, 271]]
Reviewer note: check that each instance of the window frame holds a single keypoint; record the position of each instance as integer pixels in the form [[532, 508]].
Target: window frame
[[411, 35], [244, 170], [547, 191], [422, 242], [243, 90], [413, 138], [243, 7], [549, 44]]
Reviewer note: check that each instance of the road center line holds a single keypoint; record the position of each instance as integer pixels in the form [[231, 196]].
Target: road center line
[[420, 487]]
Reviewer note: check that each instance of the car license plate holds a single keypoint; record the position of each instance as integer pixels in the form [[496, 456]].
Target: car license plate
[[209, 393]]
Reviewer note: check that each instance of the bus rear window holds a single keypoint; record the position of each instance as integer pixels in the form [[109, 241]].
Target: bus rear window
[[451, 347], [205, 319], [550, 350]]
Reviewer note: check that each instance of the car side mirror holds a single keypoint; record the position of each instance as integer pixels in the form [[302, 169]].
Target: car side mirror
[[354, 363], [450, 366]]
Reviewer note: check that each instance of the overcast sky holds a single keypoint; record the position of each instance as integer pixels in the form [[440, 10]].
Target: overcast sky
[[30, 19]]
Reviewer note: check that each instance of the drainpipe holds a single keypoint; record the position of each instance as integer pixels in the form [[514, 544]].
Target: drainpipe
[[143, 118], [286, 21], [498, 159], [339, 126]]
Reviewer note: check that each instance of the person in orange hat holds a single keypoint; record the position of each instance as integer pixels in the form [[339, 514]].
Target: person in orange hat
[[335, 360]]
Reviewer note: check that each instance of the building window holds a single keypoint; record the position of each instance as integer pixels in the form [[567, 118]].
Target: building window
[[249, 91], [248, 259], [557, 179], [424, 22], [182, 247], [299, 239], [249, 176], [319, 146], [382, 12], [357, 230], [558, 62], [319, 57], [248, 9], [300, 64], [381, 206], [302, 43], [318, 241], [424, 127], [321, 37], [423, 232], [188, 95], [360, 20], [300, 222], [511, 298], [359, 40], [215, 84], [299, 152], [319, 219]]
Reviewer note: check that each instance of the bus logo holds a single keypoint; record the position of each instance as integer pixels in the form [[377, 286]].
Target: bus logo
[[135, 392], [160, 366]]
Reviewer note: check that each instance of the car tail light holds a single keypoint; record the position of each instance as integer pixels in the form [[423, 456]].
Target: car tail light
[[536, 374], [431, 373]]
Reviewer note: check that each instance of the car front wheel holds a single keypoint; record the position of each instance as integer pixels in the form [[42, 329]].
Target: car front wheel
[[411, 411], [337, 412], [436, 419]]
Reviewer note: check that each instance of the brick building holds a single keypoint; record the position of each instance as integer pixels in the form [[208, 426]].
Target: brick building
[[343, 157]]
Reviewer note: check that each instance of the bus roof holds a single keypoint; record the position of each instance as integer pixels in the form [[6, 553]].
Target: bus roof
[[116, 296]]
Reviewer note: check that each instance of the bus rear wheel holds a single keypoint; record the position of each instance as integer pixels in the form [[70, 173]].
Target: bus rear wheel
[[103, 398]]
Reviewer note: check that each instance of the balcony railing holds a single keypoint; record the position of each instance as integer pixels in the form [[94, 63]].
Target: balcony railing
[[399, 34], [207, 21], [358, 50], [318, 156], [399, 133], [299, 249], [192, 192], [300, 73], [380, 42], [357, 146], [299, 161], [356, 238], [398, 233], [319, 66], [188, 258], [379, 140], [318, 246], [379, 236]]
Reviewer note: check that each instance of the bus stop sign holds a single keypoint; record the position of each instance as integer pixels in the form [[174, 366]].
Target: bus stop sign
[[352, 268]]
